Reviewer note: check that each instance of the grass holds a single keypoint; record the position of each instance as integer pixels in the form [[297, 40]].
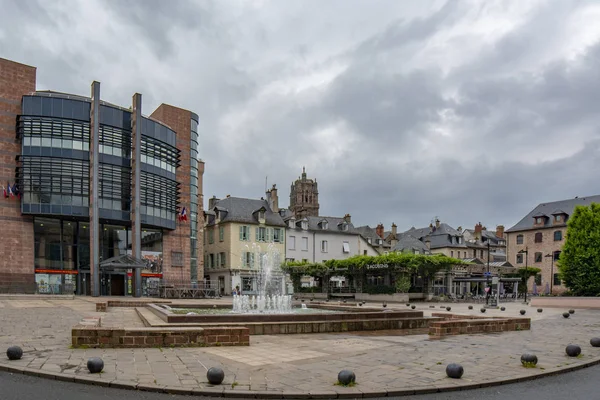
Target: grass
[[351, 384]]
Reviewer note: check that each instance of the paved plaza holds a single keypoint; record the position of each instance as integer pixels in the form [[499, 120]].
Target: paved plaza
[[385, 363]]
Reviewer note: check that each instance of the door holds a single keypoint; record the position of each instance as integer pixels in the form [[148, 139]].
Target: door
[[117, 285]]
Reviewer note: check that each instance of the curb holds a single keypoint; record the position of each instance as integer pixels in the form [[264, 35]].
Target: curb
[[250, 394]]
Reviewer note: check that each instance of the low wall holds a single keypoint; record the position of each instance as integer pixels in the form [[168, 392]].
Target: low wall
[[464, 324], [566, 302], [308, 296], [390, 298], [96, 336], [103, 305]]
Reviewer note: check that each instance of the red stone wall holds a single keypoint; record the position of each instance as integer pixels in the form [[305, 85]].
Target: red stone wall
[[178, 240], [465, 324], [16, 246]]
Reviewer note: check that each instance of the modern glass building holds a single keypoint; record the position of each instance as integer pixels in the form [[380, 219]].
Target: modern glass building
[[98, 192]]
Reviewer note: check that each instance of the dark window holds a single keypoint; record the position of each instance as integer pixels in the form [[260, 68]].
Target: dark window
[[538, 279], [557, 280], [538, 257], [48, 251], [557, 236], [176, 259], [519, 258], [556, 255], [538, 237], [519, 239]]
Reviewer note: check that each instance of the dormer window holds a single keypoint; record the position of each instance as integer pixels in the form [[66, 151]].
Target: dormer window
[[324, 225], [379, 242], [261, 214], [292, 223], [305, 225], [538, 220], [345, 226], [369, 240]]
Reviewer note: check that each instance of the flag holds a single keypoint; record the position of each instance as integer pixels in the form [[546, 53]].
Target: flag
[[16, 190], [183, 215], [5, 193], [10, 192]]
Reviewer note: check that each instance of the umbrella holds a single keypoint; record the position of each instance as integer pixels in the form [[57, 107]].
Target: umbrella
[[534, 288], [547, 288]]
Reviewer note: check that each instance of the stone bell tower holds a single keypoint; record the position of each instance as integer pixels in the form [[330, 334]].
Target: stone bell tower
[[304, 197]]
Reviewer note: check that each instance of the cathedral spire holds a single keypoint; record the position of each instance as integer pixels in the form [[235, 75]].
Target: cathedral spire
[[303, 173]]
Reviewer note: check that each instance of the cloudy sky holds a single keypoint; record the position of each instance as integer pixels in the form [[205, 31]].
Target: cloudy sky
[[465, 110]]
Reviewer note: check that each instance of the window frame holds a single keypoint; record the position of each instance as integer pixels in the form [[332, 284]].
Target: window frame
[[539, 237], [520, 239]]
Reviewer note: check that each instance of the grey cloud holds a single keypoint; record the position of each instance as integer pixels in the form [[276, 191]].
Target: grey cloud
[[516, 98]]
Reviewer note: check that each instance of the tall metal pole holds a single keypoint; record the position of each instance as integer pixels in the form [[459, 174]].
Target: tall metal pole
[[95, 195], [487, 298], [136, 131], [526, 276], [551, 271]]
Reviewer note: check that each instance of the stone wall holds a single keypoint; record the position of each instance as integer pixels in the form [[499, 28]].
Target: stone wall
[[16, 247], [468, 324], [96, 336]]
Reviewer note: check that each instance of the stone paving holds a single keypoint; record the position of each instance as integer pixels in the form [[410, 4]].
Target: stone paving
[[385, 363]]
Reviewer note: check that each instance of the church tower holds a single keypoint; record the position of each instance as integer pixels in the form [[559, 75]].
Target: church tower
[[304, 197]]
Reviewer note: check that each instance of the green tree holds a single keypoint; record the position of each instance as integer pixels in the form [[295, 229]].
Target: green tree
[[579, 262]]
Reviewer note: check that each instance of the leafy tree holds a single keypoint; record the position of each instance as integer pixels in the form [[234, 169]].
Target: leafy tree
[[579, 262]]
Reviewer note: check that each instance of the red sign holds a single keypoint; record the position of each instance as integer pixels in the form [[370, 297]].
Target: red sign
[[56, 271]]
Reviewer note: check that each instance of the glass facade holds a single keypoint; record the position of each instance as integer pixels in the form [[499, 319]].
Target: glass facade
[[62, 252], [53, 175], [194, 198]]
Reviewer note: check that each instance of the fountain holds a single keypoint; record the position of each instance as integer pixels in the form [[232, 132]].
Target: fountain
[[269, 298]]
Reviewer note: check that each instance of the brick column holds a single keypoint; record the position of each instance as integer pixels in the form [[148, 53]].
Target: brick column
[[17, 244]]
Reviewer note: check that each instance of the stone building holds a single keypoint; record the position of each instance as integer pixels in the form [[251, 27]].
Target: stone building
[[538, 238], [98, 191], [304, 197]]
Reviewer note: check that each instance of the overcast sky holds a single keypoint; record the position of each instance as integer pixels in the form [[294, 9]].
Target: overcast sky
[[403, 110]]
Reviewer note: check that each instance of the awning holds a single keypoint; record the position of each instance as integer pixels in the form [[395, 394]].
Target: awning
[[124, 261]]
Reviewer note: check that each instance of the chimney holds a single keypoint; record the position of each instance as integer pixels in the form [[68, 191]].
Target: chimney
[[394, 229], [212, 202], [273, 199], [437, 223], [348, 219], [478, 230], [500, 231], [379, 230]]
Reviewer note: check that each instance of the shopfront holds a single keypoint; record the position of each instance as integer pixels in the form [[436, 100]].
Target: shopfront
[[62, 258]]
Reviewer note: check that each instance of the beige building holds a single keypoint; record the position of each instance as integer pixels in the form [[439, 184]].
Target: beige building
[[537, 240], [241, 235]]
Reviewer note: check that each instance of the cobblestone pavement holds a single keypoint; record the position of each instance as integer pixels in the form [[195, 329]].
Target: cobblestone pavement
[[384, 362]]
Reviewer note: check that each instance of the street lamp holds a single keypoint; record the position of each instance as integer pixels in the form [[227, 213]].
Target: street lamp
[[526, 252], [487, 298], [551, 270]]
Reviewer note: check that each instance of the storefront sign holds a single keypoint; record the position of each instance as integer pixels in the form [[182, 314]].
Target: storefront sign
[[377, 266]]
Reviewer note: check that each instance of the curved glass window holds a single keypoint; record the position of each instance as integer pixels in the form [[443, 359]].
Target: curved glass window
[[159, 154], [115, 141], [158, 196], [54, 132], [57, 181], [115, 187]]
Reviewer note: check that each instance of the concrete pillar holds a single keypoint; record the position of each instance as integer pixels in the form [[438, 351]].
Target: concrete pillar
[[136, 229], [94, 193]]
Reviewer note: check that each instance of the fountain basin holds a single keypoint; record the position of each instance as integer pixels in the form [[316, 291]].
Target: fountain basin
[[348, 320]]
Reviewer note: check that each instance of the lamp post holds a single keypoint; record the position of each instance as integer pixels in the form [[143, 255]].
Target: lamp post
[[551, 255], [526, 252], [487, 298]]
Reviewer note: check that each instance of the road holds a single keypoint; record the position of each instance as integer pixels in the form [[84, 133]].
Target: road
[[579, 385]]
